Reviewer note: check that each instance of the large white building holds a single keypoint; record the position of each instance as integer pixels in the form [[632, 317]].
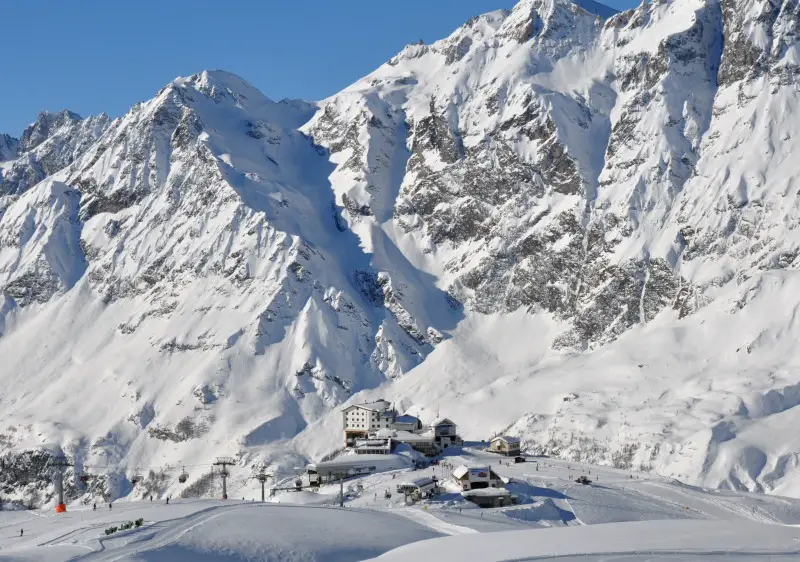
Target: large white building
[[362, 420]]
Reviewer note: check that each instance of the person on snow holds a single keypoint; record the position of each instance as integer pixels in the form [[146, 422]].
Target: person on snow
[[21, 532], [167, 500], [94, 506], [110, 506]]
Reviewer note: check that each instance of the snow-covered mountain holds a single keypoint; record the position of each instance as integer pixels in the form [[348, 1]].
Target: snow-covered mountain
[[570, 224]]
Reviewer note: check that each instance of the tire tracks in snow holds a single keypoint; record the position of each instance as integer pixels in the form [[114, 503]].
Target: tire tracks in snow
[[431, 521]]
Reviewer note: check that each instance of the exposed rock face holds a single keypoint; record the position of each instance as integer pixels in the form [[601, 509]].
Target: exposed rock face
[[40, 248], [9, 147], [53, 142], [507, 183]]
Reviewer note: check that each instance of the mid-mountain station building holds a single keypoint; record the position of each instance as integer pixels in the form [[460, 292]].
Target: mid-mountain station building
[[377, 428]]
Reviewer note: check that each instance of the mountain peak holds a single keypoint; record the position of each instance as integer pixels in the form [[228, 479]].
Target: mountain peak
[[220, 84], [223, 87], [554, 19], [44, 126], [543, 7]]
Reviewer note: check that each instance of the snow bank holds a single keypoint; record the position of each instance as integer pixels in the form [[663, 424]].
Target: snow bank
[[683, 540]]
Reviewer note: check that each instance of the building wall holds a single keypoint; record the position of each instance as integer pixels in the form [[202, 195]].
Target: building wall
[[361, 419], [501, 446], [445, 430]]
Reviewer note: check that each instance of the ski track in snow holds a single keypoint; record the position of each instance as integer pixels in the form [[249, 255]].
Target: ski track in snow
[[429, 520]]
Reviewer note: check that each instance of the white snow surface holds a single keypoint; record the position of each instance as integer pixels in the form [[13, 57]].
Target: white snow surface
[[620, 516]]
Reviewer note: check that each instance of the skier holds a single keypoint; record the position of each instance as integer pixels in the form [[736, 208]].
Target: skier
[[151, 499], [110, 506], [94, 506], [21, 532], [167, 500]]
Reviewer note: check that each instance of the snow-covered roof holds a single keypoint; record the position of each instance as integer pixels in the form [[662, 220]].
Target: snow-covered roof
[[463, 470], [379, 405], [349, 461], [508, 439], [371, 443], [419, 482], [442, 421], [489, 492], [410, 437]]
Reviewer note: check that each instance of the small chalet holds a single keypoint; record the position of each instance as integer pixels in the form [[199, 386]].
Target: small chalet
[[505, 445], [476, 477], [445, 433]]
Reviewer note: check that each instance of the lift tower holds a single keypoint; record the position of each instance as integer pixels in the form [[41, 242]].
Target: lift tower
[[60, 462], [263, 477], [224, 462]]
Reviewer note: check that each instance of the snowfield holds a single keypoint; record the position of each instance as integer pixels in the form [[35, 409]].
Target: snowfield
[[683, 541], [620, 516], [209, 530]]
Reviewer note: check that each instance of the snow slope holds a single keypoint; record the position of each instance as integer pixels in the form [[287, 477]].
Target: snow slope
[[620, 516], [575, 226], [673, 540], [209, 530]]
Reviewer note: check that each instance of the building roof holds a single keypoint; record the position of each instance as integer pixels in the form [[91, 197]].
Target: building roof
[[442, 421], [352, 461], [385, 433], [508, 439], [406, 418], [379, 405], [463, 470], [419, 482], [487, 492], [410, 437], [371, 443]]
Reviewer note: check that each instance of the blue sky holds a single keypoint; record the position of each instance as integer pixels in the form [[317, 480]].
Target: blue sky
[[91, 56]]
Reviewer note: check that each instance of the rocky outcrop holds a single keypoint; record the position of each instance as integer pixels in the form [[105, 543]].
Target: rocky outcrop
[[9, 147], [47, 146]]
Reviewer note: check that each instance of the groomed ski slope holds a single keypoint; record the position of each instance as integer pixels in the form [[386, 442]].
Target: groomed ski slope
[[620, 516]]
